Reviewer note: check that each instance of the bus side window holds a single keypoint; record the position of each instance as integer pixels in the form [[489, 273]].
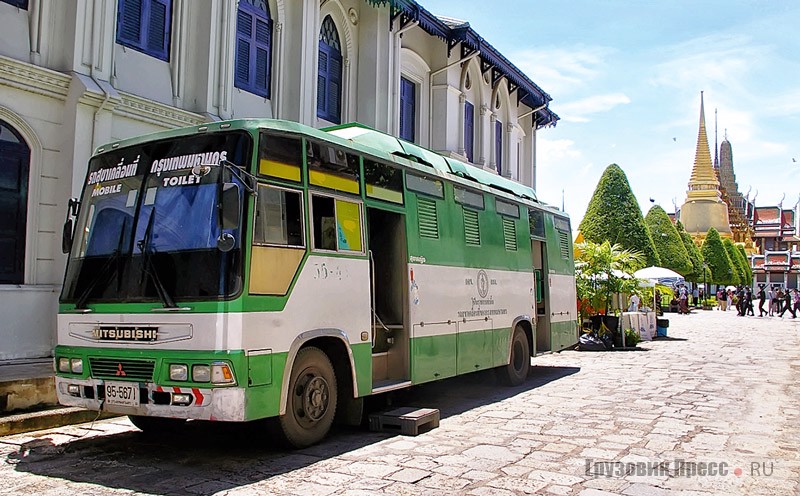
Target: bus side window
[[337, 224], [279, 217], [324, 223], [280, 156]]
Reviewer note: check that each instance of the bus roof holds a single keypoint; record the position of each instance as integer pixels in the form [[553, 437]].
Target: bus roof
[[395, 146], [364, 139]]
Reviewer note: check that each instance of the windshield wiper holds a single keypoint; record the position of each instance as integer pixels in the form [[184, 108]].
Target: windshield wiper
[[80, 303], [148, 268]]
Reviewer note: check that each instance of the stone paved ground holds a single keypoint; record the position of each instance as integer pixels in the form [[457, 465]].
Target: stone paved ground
[[721, 395]]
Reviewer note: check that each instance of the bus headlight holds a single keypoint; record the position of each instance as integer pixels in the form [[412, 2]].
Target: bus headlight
[[178, 372], [76, 364], [221, 373], [63, 365], [201, 373]]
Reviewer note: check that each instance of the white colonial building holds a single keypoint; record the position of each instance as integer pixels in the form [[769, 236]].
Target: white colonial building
[[75, 74]]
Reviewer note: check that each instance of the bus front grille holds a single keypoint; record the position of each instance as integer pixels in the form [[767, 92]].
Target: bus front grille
[[122, 369]]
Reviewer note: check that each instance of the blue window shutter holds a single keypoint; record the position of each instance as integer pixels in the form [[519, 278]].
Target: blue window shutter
[[329, 83], [408, 110], [158, 28], [469, 130], [129, 21], [335, 88], [498, 145], [144, 25], [244, 33], [253, 50], [23, 4], [322, 80], [262, 62]]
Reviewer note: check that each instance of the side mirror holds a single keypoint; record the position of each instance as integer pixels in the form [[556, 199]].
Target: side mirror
[[66, 235], [230, 206]]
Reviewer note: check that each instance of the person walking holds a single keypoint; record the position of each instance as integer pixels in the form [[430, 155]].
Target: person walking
[[762, 296], [730, 299], [683, 300], [796, 297], [748, 301], [740, 306], [695, 297], [778, 301], [771, 300], [787, 304]]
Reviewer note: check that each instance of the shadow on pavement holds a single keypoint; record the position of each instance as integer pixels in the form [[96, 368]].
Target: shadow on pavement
[[206, 458], [668, 338]]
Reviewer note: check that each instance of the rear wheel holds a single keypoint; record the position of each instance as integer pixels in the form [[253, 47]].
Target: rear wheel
[[156, 425], [519, 363], [311, 400]]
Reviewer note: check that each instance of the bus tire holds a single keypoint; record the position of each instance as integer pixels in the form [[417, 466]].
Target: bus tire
[[156, 425], [311, 399], [519, 363]]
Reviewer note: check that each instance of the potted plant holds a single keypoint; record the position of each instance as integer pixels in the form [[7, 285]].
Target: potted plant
[[602, 273], [632, 338]]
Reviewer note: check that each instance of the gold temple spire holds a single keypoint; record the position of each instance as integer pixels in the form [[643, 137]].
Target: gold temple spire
[[704, 207], [703, 182]]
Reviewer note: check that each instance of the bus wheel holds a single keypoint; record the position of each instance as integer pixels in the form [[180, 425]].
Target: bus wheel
[[156, 425], [311, 401], [519, 363]]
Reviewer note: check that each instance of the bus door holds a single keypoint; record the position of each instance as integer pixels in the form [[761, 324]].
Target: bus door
[[386, 234], [540, 299]]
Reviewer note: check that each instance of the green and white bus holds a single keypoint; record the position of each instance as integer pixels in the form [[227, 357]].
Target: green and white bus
[[259, 268]]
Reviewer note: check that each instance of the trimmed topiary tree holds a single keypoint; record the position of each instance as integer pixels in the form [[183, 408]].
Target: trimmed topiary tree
[[694, 255], [614, 215], [738, 270], [748, 270], [714, 254], [668, 243]]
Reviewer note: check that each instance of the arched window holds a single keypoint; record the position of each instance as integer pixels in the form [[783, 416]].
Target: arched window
[[14, 165], [329, 75], [253, 47]]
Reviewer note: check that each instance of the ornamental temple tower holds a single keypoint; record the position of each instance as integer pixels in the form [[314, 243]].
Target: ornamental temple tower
[[704, 207]]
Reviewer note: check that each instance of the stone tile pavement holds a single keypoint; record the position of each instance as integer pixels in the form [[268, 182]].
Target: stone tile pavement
[[714, 409]]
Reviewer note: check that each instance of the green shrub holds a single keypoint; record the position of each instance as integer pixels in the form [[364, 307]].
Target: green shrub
[[632, 337]]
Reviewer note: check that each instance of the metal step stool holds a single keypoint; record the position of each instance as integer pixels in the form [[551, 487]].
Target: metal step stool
[[408, 421]]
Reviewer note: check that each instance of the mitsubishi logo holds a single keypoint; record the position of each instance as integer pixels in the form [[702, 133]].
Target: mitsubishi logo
[[120, 372]]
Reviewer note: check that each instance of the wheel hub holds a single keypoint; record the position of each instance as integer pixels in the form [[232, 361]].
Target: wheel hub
[[315, 398]]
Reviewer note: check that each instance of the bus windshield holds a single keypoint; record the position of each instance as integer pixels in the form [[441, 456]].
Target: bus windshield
[[148, 228]]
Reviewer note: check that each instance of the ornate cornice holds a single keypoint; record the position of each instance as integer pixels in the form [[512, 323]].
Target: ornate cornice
[[34, 79], [142, 109]]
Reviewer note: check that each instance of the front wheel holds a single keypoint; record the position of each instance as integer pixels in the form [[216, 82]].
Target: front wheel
[[311, 401], [519, 363]]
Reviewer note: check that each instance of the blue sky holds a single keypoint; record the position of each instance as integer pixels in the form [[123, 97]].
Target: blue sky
[[625, 77]]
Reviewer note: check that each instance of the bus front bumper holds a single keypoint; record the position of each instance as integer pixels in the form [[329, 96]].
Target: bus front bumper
[[148, 399]]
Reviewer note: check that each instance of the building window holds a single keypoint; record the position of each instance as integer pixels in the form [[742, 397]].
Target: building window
[[14, 168], [144, 25], [253, 47], [329, 75], [408, 109], [23, 4], [498, 145], [469, 130]]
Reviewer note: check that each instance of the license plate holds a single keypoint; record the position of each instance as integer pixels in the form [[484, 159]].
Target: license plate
[[122, 393]]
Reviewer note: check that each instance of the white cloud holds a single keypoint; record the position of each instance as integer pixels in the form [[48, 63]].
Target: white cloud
[[561, 68], [578, 110]]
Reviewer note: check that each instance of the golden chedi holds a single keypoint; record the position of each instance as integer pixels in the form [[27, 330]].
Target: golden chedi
[[704, 207]]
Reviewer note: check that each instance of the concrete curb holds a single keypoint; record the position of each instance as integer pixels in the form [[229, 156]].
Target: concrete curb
[[47, 419]]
